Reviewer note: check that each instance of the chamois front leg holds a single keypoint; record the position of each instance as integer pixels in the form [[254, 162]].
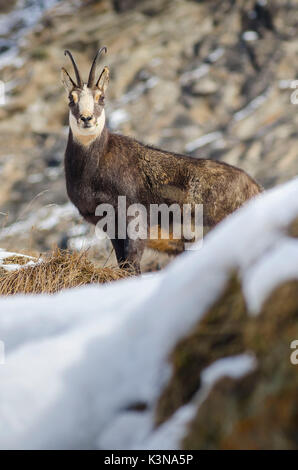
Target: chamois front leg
[[129, 252], [119, 247], [134, 252]]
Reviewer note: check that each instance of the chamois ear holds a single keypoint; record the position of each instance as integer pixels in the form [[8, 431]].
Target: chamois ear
[[103, 81], [67, 81]]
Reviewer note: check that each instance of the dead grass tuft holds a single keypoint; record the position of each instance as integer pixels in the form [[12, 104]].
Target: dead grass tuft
[[59, 270], [16, 259]]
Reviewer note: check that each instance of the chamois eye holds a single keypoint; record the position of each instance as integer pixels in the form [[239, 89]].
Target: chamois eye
[[99, 98], [73, 98]]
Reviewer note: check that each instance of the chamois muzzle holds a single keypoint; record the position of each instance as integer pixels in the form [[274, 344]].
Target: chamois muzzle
[[86, 120]]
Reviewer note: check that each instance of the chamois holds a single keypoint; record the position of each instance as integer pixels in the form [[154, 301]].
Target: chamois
[[101, 165]]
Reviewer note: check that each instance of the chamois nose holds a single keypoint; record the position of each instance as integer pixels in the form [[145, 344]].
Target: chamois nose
[[86, 118]]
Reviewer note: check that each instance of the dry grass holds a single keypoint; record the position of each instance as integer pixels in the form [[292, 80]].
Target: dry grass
[[16, 259], [59, 270]]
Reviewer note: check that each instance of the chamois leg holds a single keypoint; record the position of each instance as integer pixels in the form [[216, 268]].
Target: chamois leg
[[134, 252], [119, 247], [129, 251]]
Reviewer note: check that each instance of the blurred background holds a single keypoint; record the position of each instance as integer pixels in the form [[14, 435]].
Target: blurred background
[[208, 78]]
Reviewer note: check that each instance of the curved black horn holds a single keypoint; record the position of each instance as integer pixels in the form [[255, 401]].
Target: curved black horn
[[78, 76], [93, 66]]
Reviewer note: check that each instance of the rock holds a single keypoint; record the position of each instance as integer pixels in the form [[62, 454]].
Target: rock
[[6, 7], [124, 5], [219, 334], [260, 410], [204, 87]]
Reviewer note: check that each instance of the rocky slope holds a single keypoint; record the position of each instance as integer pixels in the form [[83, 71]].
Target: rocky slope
[[209, 78]]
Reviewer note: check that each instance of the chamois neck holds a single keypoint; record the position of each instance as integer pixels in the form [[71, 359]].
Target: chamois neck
[[99, 143], [76, 153]]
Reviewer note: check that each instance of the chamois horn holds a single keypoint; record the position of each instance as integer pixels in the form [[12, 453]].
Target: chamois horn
[[94, 65], [75, 67]]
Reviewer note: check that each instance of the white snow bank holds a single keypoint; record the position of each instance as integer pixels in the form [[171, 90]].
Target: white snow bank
[[77, 362]]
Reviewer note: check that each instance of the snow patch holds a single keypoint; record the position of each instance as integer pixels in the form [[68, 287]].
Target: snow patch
[[79, 363]]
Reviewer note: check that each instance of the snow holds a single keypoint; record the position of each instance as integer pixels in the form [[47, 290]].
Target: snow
[[7, 254], [250, 36], [77, 363], [203, 140], [17, 23], [251, 107], [138, 90], [45, 218], [233, 366], [195, 74], [278, 266], [13, 266], [203, 69], [118, 117], [48, 218]]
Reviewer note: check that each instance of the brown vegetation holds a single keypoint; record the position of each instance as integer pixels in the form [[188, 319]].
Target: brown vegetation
[[58, 270], [218, 334]]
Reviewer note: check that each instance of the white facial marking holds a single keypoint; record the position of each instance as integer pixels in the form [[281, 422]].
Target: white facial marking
[[86, 103], [87, 135]]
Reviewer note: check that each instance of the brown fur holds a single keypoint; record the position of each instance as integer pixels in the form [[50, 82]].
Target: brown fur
[[102, 166], [115, 165]]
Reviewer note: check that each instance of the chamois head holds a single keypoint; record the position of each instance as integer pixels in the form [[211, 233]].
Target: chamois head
[[86, 100]]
